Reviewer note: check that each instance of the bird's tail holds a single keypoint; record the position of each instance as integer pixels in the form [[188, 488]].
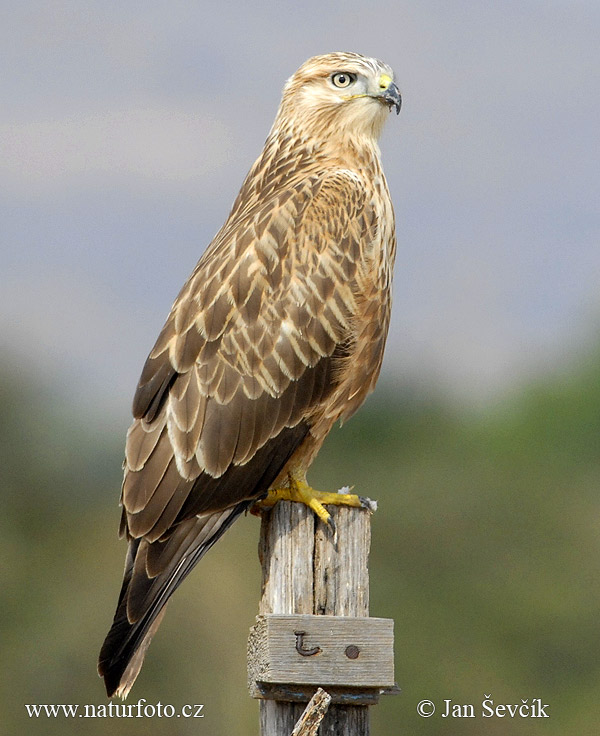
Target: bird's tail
[[152, 572]]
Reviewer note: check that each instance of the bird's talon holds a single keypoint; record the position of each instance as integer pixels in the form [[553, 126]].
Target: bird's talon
[[368, 503], [299, 491]]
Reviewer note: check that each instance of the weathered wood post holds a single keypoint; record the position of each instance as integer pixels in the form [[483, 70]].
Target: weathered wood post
[[313, 627]]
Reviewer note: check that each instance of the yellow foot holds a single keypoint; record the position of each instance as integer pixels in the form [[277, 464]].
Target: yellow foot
[[298, 490]]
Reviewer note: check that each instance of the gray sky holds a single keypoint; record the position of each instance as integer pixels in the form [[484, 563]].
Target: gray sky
[[127, 128]]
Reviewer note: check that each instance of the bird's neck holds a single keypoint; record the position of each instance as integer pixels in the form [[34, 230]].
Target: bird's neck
[[327, 140], [293, 153]]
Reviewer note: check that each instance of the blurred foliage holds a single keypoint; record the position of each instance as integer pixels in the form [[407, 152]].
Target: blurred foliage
[[485, 552]]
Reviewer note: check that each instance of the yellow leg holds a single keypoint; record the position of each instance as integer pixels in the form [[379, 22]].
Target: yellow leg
[[299, 491]]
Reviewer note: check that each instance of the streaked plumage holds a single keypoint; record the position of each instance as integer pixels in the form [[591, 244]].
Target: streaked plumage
[[278, 333]]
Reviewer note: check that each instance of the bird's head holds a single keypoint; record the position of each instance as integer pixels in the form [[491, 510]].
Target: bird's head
[[341, 92]]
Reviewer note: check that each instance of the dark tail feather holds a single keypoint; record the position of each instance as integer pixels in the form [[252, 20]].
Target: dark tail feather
[[152, 573]]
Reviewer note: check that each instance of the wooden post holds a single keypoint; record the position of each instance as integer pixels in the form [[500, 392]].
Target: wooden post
[[313, 627]]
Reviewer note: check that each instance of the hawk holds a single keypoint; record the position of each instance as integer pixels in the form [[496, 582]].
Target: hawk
[[278, 333]]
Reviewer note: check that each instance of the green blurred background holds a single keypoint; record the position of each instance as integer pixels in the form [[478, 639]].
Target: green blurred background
[[485, 553]]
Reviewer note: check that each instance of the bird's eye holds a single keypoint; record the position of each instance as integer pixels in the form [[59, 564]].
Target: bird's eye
[[343, 79]]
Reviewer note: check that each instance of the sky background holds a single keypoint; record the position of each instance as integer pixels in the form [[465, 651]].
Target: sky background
[[126, 130]]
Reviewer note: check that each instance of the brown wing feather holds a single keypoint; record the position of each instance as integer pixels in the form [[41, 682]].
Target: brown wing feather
[[220, 408]]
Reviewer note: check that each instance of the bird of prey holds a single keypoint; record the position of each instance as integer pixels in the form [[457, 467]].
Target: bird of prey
[[278, 333]]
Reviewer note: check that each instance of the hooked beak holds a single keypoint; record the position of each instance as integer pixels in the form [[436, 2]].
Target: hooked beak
[[391, 97]]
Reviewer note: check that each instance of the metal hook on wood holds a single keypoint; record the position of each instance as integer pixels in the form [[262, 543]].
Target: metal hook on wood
[[300, 645]]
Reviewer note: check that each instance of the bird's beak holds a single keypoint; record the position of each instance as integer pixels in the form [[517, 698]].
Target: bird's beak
[[390, 94]]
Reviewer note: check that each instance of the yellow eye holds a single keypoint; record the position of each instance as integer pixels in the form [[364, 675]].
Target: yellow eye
[[343, 79]]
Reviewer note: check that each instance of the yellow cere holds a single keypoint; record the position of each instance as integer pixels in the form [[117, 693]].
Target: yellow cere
[[384, 81]]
